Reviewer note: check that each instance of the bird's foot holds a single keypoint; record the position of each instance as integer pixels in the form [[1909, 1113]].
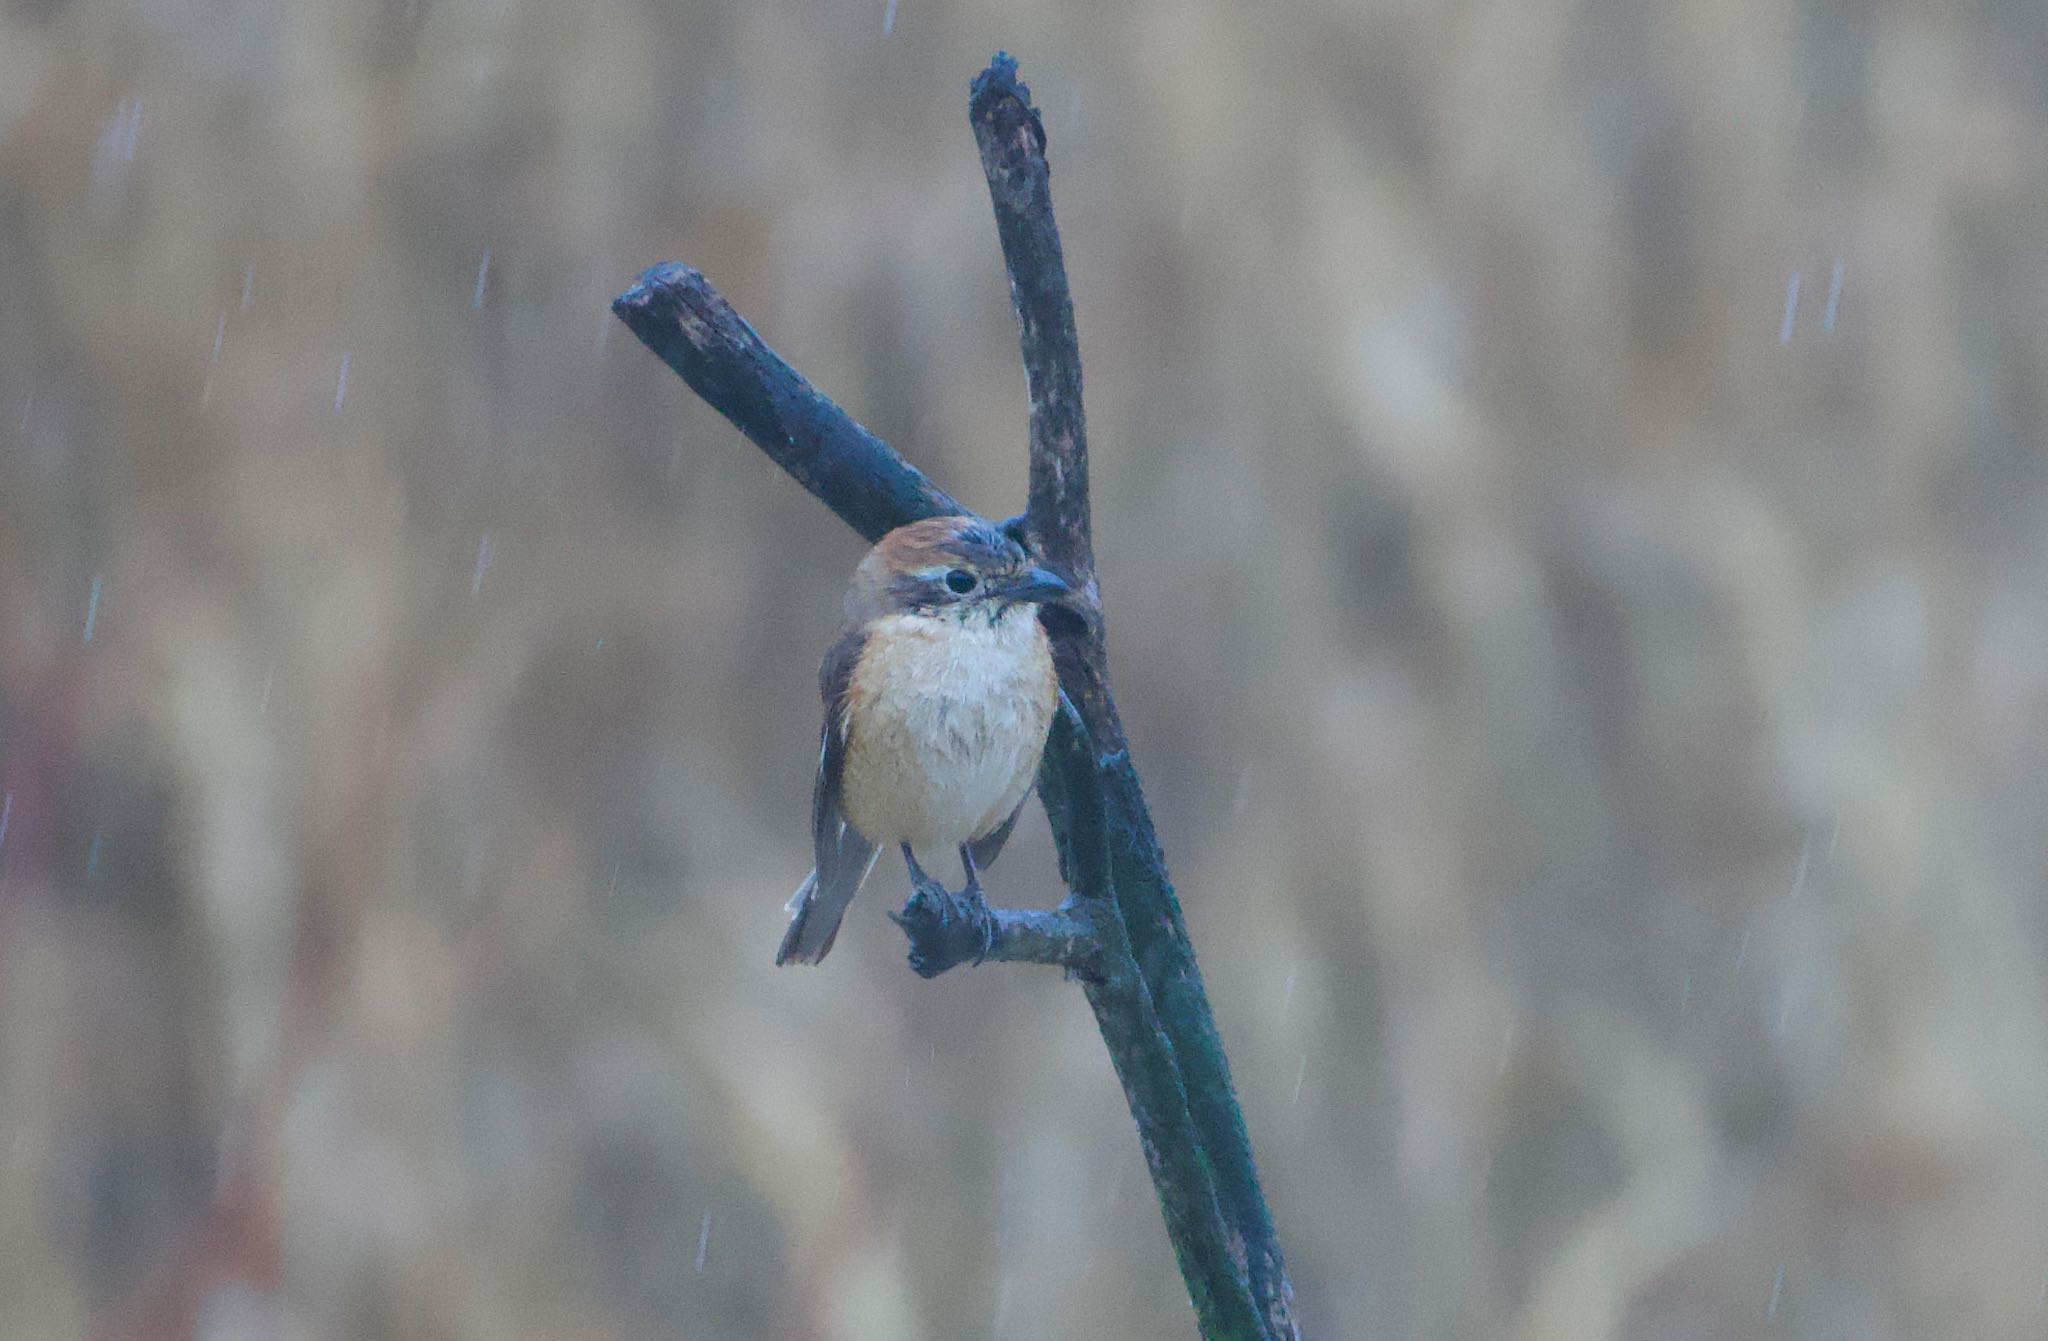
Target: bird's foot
[[977, 902], [945, 929]]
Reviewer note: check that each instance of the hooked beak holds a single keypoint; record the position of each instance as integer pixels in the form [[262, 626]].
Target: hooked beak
[[1037, 586]]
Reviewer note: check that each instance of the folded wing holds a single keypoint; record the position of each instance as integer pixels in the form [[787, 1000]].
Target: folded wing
[[843, 857]]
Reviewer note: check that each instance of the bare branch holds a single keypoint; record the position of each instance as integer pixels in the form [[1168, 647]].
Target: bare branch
[[946, 932], [677, 314], [1120, 932], [1012, 141]]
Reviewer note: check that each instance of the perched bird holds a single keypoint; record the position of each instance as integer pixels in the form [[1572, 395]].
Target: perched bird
[[938, 696]]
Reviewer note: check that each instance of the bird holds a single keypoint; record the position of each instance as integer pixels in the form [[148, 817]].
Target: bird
[[938, 696]]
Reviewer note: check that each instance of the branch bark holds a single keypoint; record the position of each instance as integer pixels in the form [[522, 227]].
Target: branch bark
[[1011, 138], [1120, 932], [945, 933], [677, 314]]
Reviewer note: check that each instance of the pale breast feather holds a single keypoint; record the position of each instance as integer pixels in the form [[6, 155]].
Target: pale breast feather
[[948, 717]]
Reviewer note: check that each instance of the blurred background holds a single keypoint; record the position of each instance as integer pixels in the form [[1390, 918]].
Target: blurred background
[[1574, 524]]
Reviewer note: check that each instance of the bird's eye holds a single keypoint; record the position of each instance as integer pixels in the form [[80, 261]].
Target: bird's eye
[[960, 581]]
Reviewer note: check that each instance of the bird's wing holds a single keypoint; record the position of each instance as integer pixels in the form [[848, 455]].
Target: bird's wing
[[843, 857], [990, 845]]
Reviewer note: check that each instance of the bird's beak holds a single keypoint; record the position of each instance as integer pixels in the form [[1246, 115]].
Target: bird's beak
[[1037, 585]]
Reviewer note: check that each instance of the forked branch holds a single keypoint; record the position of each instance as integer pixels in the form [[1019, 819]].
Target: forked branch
[[1120, 932]]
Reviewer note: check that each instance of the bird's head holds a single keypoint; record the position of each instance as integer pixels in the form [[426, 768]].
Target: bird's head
[[950, 564]]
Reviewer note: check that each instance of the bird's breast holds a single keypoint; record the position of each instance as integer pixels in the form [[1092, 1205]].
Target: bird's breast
[[946, 717]]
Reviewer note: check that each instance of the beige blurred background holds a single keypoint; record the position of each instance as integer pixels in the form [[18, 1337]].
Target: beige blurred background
[[1596, 706]]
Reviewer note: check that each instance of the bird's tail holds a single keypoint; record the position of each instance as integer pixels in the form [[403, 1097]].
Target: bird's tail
[[813, 923]]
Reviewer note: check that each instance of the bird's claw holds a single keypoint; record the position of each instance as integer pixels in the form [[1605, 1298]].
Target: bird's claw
[[977, 904], [975, 909], [944, 928]]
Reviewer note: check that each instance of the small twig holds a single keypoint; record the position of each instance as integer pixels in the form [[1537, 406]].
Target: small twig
[[944, 937]]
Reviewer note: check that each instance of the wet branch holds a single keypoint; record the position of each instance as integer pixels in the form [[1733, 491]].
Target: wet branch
[[944, 934], [1120, 932], [677, 314], [1011, 138]]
